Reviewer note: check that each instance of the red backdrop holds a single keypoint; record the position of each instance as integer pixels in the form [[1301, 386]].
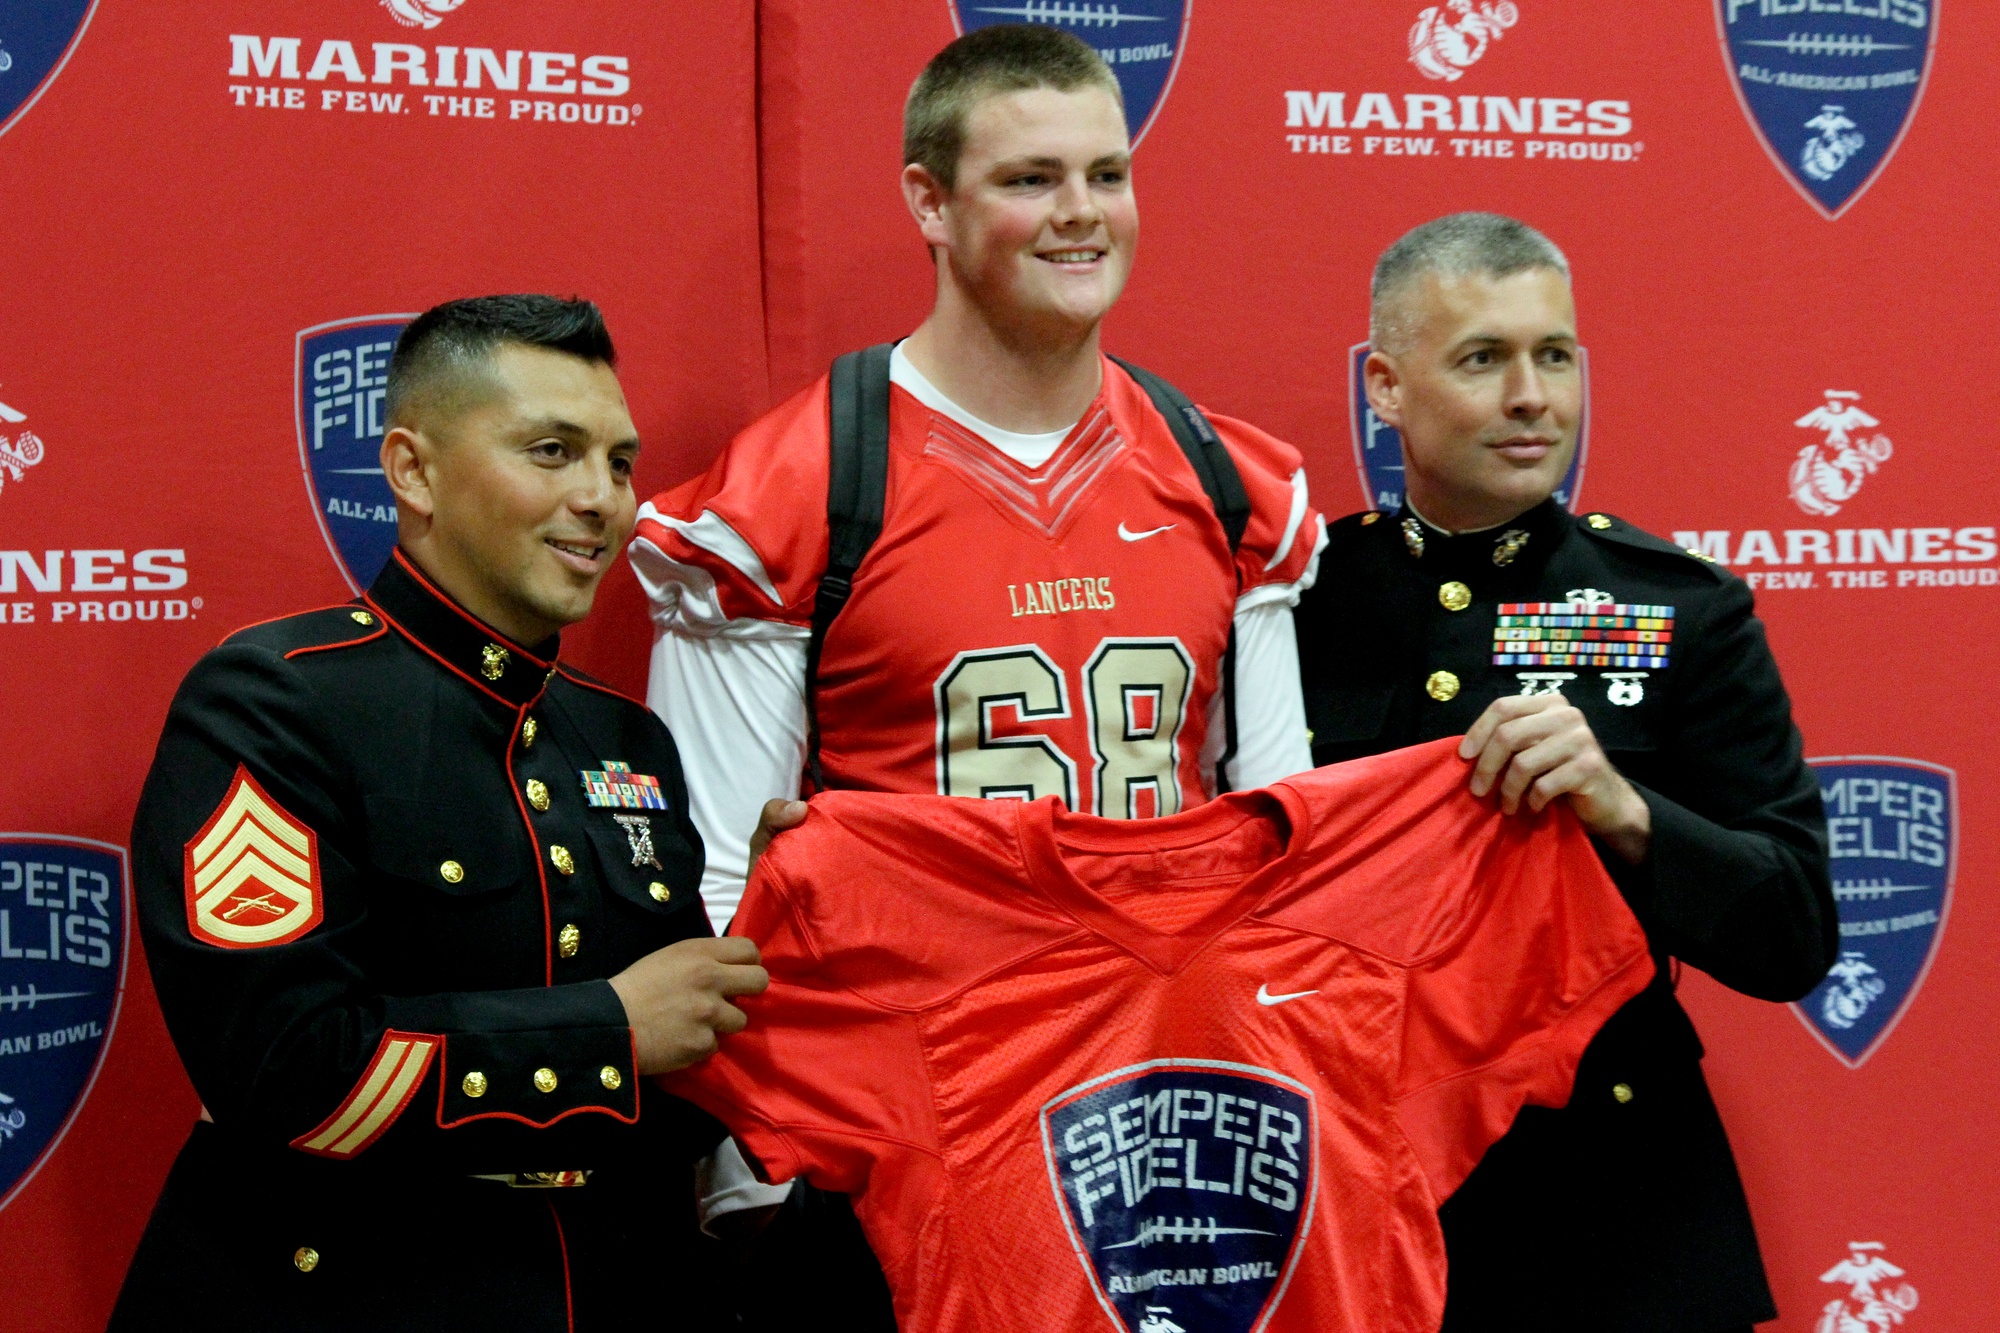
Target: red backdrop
[[171, 237]]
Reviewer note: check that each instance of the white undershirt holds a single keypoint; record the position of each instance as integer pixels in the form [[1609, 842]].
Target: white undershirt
[[1030, 451]]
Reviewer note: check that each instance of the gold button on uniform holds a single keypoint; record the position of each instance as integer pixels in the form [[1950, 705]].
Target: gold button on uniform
[[545, 1079], [1372, 516], [1621, 1092], [1442, 686], [473, 1084], [305, 1258], [538, 793], [528, 730], [362, 617], [560, 858], [451, 872], [659, 891], [568, 941], [1454, 596], [1600, 522], [610, 1077]]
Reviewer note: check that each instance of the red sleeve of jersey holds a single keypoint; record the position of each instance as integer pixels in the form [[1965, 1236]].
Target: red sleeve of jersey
[[1539, 953], [754, 524], [822, 1083], [1284, 532]]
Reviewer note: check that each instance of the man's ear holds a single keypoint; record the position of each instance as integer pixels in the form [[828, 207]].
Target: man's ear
[[407, 457], [1384, 383], [926, 197]]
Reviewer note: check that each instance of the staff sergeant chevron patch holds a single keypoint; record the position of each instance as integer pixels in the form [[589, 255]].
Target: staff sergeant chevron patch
[[252, 873]]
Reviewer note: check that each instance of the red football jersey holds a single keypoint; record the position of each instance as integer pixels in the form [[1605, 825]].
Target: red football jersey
[[1014, 631], [1211, 1073]]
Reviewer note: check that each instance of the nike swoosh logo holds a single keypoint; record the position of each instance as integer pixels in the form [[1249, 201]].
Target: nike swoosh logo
[[1264, 996], [1128, 535]]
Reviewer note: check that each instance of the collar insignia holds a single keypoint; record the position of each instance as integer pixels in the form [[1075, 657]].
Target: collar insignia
[[1413, 537], [1510, 544]]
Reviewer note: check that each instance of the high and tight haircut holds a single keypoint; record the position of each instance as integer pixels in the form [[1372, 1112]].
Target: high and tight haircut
[[1005, 58], [449, 347], [1458, 245]]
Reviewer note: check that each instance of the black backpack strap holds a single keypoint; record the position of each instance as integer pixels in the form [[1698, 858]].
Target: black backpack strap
[[1211, 462], [1206, 453], [857, 483]]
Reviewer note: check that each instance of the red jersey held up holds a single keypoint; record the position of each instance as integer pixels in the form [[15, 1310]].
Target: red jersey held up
[[1211, 1073], [1015, 632]]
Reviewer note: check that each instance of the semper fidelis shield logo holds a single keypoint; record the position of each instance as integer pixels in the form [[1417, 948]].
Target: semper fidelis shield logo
[[1378, 446], [1186, 1186], [1892, 836], [64, 920], [1830, 88], [36, 41], [342, 373], [1140, 39]]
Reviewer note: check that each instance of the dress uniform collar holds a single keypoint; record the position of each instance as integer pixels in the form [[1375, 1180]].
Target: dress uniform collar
[[1499, 546], [472, 649]]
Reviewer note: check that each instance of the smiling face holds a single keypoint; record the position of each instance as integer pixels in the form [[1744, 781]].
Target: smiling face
[[1483, 383], [517, 502], [1039, 229]]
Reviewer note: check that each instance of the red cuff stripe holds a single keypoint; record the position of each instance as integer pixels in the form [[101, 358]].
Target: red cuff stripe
[[384, 1090]]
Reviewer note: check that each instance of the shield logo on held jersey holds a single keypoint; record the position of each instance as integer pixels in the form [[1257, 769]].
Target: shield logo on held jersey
[[342, 374], [64, 916], [36, 41], [1892, 834], [1830, 89], [1140, 39], [252, 873], [1186, 1186], [1378, 446]]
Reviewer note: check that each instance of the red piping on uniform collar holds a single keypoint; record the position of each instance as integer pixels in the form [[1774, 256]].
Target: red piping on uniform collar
[[410, 568]]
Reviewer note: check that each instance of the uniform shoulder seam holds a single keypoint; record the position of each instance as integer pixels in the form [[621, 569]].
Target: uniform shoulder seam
[[1610, 528]]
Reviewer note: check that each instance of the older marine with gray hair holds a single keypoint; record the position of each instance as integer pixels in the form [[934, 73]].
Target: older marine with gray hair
[[1590, 663]]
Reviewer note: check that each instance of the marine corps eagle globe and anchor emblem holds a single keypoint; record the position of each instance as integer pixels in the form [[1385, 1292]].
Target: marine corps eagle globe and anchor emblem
[[1831, 89], [1892, 843], [1140, 39]]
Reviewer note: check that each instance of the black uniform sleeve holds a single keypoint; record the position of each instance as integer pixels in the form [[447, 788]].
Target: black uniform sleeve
[[1735, 880], [291, 1039]]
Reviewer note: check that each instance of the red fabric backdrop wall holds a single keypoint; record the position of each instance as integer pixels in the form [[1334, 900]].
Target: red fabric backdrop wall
[[184, 208]]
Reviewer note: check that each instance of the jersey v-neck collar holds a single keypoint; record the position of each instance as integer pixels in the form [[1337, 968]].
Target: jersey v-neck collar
[[1043, 826]]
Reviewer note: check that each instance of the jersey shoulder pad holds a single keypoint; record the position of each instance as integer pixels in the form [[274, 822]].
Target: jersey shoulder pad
[[319, 630], [1617, 533]]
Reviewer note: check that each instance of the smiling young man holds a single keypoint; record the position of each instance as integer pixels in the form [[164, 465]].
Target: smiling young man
[[1587, 662], [1052, 595], [421, 903]]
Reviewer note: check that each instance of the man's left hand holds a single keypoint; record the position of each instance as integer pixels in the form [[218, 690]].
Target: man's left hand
[[1538, 747]]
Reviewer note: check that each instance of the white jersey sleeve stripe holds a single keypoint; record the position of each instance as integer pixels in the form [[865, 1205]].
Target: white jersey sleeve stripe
[[712, 533], [1292, 522]]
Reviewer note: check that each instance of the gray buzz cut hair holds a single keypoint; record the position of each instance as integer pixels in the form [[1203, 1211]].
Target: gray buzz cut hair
[[1458, 245]]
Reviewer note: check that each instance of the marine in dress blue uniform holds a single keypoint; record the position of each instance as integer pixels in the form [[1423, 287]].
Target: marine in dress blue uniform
[[1610, 668], [387, 859]]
